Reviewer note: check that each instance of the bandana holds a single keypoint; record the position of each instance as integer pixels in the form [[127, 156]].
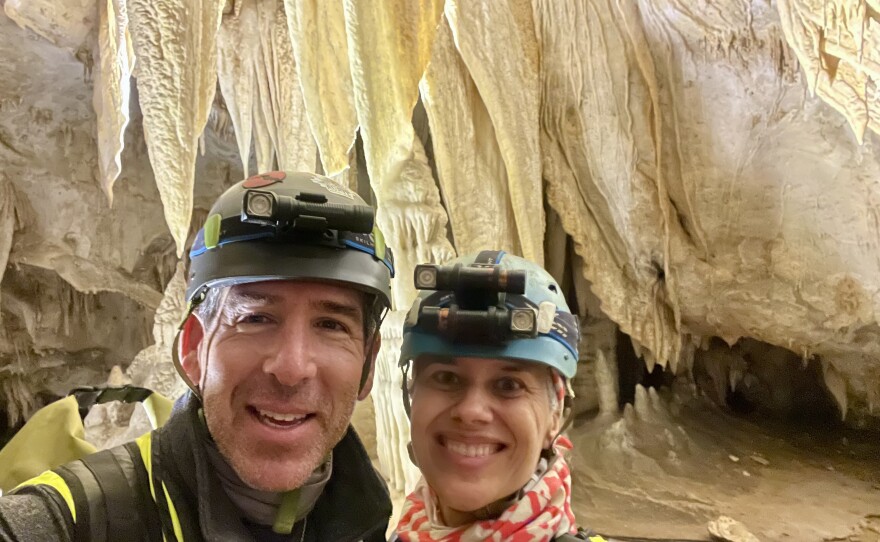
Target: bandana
[[539, 513]]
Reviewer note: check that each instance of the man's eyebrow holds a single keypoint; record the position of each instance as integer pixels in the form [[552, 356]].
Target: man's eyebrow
[[338, 308], [253, 297]]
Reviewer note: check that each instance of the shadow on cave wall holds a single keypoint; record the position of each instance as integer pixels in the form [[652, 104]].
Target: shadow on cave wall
[[751, 379], [55, 338]]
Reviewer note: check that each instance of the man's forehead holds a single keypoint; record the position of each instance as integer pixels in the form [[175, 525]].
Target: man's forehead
[[279, 291]]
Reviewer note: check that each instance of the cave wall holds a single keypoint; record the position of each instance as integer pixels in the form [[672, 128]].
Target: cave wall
[[688, 169]]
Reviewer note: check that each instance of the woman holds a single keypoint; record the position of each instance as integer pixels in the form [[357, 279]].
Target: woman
[[488, 348]]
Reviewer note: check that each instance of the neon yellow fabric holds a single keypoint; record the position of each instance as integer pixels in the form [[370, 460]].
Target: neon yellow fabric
[[158, 409], [52, 437], [51, 479], [145, 444], [55, 436]]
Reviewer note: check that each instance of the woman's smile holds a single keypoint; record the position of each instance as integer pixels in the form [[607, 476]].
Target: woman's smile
[[479, 426]]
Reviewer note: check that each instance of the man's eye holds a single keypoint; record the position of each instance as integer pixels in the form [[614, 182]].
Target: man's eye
[[332, 325], [254, 318], [509, 386]]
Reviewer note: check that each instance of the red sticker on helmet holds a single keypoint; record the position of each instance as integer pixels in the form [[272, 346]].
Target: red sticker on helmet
[[264, 179]]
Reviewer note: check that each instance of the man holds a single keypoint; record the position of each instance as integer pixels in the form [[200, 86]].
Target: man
[[287, 288]]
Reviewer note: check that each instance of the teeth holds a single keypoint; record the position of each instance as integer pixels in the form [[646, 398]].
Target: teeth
[[472, 450], [278, 417]]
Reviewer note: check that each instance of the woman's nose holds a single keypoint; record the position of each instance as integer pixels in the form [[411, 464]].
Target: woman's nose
[[291, 360], [473, 407]]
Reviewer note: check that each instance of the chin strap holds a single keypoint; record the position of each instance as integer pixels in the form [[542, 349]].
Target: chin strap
[[368, 357], [175, 355], [286, 517], [567, 414], [404, 386]]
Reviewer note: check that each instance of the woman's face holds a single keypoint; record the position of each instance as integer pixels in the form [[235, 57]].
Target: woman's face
[[478, 427]]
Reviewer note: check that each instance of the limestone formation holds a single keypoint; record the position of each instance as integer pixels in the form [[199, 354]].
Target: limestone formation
[[701, 178], [112, 88], [259, 81], [838, 46], [175, 47], [320, 46]]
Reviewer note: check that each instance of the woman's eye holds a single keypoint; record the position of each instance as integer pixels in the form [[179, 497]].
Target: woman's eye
[[445, 378], [508, 385]]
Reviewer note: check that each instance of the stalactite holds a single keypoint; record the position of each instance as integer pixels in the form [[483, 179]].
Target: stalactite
[[292, 137], [472, 174], [389, 44], [260, 83], [497, 42], [7, 223], [605, 188], [838, 45], [237, 50], [112, 89], [176, 50], [317, 30]]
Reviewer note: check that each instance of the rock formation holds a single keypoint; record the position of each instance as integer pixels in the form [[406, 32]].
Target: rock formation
[[701, 179]]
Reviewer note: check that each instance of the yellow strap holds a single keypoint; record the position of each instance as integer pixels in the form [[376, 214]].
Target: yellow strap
[[597, 539], [158, 409], [145, 444], [54, 481]]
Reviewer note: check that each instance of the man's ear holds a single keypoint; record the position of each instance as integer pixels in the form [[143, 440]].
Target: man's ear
[[372, 354], [190, 338]]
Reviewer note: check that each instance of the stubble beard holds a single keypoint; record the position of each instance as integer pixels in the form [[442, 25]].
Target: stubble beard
[[271, 467]]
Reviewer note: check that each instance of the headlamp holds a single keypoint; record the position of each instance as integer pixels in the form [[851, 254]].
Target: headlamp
[[307, 211], [459, 278], [494, 324], [473, 309]]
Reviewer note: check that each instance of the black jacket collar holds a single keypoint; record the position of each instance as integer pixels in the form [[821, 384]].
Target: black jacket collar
[[355, 504]]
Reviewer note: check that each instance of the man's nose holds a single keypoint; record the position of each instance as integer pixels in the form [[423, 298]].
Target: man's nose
[[473, 407], [292, 360]]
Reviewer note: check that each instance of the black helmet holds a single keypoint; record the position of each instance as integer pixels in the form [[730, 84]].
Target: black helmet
[[282, 226]]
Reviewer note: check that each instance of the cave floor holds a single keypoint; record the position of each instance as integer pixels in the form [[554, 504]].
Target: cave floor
[[666, 471]]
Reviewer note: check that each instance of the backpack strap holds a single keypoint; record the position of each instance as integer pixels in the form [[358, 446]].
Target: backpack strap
[[107, 496], [124, 495], [110, 499]]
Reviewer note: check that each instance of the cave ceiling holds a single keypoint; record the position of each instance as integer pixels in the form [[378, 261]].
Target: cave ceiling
[[715, 166]]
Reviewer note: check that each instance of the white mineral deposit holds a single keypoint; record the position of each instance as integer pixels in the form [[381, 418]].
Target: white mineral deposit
[[702, 178]]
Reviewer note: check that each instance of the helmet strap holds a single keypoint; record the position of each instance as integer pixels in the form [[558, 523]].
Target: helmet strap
[[405, 366], [208, 336], [370, 351], [567, 415]]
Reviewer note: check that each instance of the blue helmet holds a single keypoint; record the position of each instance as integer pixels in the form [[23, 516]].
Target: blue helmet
[[491, 305]]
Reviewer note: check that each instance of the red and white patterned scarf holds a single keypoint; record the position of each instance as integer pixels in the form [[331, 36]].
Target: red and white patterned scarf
[[541, 514]]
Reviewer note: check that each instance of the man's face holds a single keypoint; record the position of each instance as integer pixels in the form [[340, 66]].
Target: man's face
[[279, 373]]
